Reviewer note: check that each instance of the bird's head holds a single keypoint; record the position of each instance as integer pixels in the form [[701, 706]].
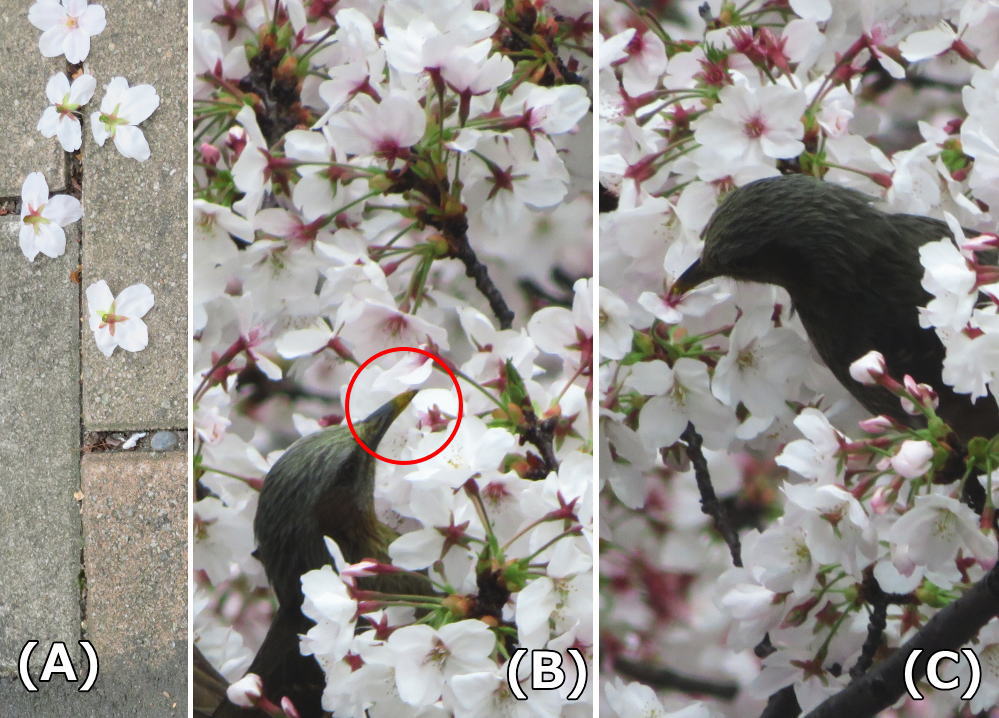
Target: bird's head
[[328, 460], [772, 230], [373, 428]]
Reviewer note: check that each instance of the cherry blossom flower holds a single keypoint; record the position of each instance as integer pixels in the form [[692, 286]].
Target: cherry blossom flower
[[933, 531], [122, 109], [425, 658], [761, 367], [779, 557], [837, 530], [60, 118], [43, 217], [67, 26], [951, 280], [387, 128], [754, 122], [819, 455], [117, 322]]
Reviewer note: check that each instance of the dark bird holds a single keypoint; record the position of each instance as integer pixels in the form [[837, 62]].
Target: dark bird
[[853, 274], [323, 485]]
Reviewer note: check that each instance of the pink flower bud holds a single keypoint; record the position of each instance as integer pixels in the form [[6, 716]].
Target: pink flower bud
[[924, 395], [877, 424], [881, 499], [210, 154], [868, 369], [236, 140], [289, 708], [981, 243], [913, 458]]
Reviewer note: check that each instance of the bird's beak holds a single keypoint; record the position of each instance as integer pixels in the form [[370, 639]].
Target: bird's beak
[[692, 277], [373, 428]]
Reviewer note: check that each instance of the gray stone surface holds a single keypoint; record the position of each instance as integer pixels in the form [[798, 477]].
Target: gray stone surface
[[22, 99], [163, 441], [136, 221], [39, 448], [135, 534], [113, 696]]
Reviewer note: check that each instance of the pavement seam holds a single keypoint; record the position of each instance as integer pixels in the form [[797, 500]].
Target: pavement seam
[[97, 442], [73, 178]]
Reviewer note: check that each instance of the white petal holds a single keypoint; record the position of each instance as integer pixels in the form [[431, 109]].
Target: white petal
[[99, 297], [51, 240], [48, 124], [300, 342], [140, 102], [26, 238], [132, 440], [34, 192], [132, 143], [63, 209], [132, 335], [77, 46], [105, 342], [114, 94], [927, 43], [93, 20], [271, 370], [46, 14], [51, 42], [57, 88], [70, 134], [82, 89], [276, 222], [98, 128], [134, 301]]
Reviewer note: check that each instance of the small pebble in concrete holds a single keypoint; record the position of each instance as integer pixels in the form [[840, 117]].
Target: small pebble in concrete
[[164, 441]]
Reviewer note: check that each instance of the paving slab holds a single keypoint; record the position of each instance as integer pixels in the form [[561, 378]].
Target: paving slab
[[135, 227], [22, 99], [39, 447], [135, 556]]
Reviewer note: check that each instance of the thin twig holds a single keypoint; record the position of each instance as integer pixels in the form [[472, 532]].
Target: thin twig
[[710, 504], [462, 250], [541, 434], [879, 601]]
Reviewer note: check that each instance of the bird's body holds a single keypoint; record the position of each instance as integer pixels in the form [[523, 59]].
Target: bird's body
[[853, 274], [323, 485]]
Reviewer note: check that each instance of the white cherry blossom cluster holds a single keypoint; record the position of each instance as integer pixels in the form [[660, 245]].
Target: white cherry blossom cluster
[[384, 175], [899, 101], [67, 26]]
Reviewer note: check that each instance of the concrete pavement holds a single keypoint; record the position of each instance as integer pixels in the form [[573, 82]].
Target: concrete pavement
[[93, 544]]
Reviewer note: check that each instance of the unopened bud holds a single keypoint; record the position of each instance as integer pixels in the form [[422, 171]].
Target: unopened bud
[[869, 368], [246, 691], [877, 424]]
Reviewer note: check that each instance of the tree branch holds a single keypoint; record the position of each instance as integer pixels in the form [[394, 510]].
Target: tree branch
[[659, 677], [951, 628]]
